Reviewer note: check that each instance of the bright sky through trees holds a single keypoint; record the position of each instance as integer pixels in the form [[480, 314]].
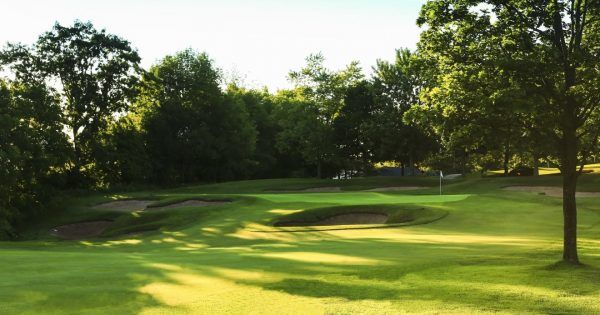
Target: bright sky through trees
[[257, 40]]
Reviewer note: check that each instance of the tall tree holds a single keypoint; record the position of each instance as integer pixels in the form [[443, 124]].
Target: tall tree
[[33, 151], [551, 49], [325, 89], [193, 130], [95, 73], [353, 128], [396, 87]]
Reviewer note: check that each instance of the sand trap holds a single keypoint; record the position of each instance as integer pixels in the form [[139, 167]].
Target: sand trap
[[355, 218], [82, 230], [397, 188], [191, 203], [128, 205], [550, 191]]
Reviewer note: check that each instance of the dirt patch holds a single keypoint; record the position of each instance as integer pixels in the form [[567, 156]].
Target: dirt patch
[[129, 205], [397, 188], [550, 191], [82, 230], [355, 218], [191, 203]]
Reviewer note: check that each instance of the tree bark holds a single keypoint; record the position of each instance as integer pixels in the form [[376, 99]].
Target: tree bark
[[319, 171], [569, 175], [77, 158], [536, 165], [506, 158]]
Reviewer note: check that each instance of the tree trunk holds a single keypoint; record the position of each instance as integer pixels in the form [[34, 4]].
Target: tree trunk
[[319, 173], [570, 218], [464, 161], [506, 158], [77, 159], [536, 165], [570, 174]]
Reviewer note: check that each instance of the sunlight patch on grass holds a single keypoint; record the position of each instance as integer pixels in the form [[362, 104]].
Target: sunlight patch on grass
[[417, 235], [169, 267], [211, 230], [239, 274], [192, 293], [283, 211], [191, 247], [323, 258], [236, 249], [124, 242]]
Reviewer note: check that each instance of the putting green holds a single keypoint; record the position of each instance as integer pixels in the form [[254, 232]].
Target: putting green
[[495, 252], [352, 198]]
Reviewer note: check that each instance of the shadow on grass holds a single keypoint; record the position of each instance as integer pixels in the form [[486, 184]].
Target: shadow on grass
[[131, 274]]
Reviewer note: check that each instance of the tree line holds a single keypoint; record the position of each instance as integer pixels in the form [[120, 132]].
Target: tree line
[[78, 112], [492, 84]]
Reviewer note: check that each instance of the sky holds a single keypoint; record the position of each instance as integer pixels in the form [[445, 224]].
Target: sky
[[256, 41]]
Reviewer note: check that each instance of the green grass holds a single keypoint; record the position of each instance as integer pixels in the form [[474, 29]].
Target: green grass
[[398, 215], [495, 252]]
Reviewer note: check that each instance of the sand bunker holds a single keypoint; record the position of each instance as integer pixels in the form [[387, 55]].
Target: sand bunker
[[128, 205], [82, 230], [397, 188], [550, 191], [191, 203], [354, 218]]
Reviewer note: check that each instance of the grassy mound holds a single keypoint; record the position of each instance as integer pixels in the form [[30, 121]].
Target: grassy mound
[[177, 213], [394, 215]]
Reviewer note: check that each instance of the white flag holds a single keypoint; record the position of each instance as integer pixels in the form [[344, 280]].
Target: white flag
[[441, 174]]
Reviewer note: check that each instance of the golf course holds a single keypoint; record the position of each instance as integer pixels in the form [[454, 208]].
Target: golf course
[[300, 157], [483, 249]]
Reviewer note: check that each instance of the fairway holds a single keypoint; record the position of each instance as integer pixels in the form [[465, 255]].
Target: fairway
[[495, 252]]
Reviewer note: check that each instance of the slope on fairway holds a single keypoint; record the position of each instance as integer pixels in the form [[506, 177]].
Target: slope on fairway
[[495, 252]]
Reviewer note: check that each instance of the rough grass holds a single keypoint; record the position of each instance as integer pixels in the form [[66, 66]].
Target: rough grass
[[495, 252]]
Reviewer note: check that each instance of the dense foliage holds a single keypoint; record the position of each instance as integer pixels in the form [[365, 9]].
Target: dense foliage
[[33, 151]]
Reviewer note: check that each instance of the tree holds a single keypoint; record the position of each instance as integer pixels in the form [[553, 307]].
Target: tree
[[264, 110], [33, 151], [324, 90], [192, 130], [550, 49], [302, 133], [396, 89], [121, 154], [353, 128], [95, 73]]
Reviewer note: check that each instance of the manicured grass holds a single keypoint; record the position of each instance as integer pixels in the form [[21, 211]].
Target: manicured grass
[[495, 252], [397, 215]]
